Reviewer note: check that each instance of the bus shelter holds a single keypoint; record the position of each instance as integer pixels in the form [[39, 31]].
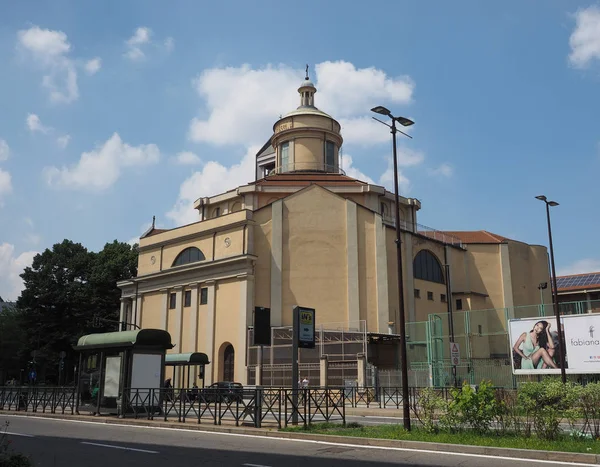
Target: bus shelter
[[113, 362], [187, 364]]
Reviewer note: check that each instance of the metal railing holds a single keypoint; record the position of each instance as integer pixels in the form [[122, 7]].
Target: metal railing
[[306, 167], [256, 406], [38, 399]]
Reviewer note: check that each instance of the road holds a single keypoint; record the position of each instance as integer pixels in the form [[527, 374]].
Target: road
[[58, 443]]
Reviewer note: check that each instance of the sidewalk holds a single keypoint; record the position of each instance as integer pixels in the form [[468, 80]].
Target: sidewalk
[[566, 457]]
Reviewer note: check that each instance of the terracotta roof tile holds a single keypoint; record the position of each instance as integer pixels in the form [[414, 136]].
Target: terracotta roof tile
[[299, 179], [477, 236]]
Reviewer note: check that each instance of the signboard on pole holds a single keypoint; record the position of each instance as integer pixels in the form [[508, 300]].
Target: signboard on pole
[[454, 353], [306, 327], [535, 344]]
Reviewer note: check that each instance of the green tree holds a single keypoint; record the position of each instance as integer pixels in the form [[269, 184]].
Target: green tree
[[65, 288], [12, 344]]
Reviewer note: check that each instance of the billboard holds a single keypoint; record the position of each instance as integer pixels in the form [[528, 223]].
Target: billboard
[[534, 344]]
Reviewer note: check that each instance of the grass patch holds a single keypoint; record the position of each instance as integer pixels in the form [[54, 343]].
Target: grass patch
[[565, 443]]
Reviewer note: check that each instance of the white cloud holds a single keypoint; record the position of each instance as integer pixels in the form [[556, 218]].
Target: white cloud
[[187, 158], [93, 66], [212, 179], [4, 150], [580, 267], [169, 44], [585, 39], [346, 163], [63, 141], [49, 49], [5, 184], [35, 124], [387, 179], [11, 267], [364, 131], [443, 170], [140, 37], [243, 103], [99, 169], [347, 90]]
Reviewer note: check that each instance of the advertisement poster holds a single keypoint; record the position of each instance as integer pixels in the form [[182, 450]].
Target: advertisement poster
[[535, 343]]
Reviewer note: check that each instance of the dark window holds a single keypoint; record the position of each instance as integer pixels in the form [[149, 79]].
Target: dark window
[[427, 267], [228, 360], [189, 255], [329, 155], [429, 295], [443, 298], [187, 301], [203, 296], [172, 301], [459, 303], [216, 212], [479, 329], [417, 293]]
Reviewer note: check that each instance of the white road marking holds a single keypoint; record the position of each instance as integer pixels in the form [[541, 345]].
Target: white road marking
[[326, 443], [256, 465], [119, 447], [19, 434]]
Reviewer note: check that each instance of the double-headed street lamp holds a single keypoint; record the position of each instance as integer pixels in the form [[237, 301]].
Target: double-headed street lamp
[[561, 337], [402, 322]]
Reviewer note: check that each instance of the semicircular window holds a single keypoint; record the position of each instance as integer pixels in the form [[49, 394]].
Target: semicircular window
[[189, 255], [427, 267]]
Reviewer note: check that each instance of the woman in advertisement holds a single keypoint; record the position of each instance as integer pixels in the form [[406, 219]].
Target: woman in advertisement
[[536, 347]]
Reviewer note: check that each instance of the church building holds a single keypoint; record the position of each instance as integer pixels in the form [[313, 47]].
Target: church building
[[304, 233]]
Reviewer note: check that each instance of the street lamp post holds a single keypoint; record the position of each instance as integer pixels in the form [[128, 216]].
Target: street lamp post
[[401, 319], [561, 337]]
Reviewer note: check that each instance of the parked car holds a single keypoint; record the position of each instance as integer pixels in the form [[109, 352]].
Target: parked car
[[224, 391]]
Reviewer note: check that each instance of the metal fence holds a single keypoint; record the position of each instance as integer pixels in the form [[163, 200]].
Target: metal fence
[[482, 336], [39, 399], [256, 407]]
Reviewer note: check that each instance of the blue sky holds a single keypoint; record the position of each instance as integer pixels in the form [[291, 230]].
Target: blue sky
[[113, 112]]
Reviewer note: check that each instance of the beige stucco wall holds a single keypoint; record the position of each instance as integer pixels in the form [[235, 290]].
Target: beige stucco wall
[[262, 247], [152, 306], [485, 272], [529, 267], [227, 327], [367, 268], [308, 153], [314, 254]]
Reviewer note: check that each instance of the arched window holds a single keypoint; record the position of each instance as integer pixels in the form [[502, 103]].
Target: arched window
[[426, 266], [228, 359], [189, 255]]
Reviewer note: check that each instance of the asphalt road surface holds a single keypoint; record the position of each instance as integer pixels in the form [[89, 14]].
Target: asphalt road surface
[[57, 443]]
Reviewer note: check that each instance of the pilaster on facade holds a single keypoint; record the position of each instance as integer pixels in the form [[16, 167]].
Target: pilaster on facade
[[408, 276], [192, 331], [176, 335], [505, 273], [138, 310], [209, 348], [353, 290], [164, 310], [381, 267], [276, 262], [245, 320], [123, 311]]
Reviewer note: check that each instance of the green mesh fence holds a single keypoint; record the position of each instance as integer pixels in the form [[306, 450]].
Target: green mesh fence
[[482, 336]]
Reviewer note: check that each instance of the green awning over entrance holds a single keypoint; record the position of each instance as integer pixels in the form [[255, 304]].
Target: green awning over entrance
[[184, 359], [156, 338]]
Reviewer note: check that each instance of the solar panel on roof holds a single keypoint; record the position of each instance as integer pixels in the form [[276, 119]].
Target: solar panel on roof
[[578, 281]]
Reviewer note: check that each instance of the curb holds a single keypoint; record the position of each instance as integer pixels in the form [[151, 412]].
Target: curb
[[556, 456]]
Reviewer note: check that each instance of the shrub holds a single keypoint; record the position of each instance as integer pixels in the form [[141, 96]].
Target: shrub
[[426, 406], [589, 404], [8, 457], [547, 403], [475, 409]]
